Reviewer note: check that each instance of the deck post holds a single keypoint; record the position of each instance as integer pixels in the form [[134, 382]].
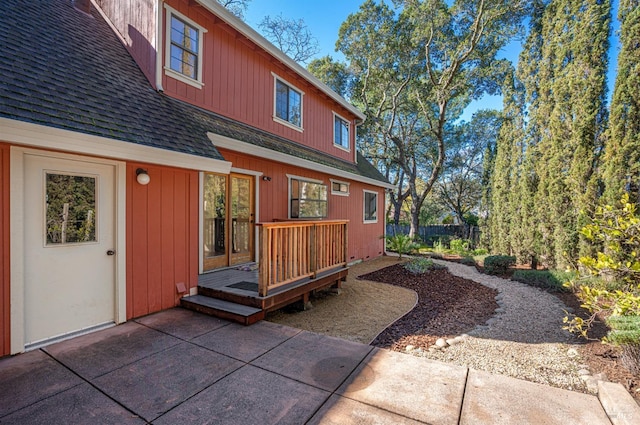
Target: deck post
[[265, 260], [345, 248], [313, 250]]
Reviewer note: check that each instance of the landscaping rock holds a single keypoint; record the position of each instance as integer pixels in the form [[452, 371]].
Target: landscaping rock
[[441, 343]]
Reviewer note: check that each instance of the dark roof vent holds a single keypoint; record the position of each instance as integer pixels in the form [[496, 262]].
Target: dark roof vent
[[82, 5]]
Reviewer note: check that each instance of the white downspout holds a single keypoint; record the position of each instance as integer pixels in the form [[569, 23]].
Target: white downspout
[[159, 44]]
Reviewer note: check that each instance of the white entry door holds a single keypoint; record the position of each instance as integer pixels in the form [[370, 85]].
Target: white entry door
[[69, 251]]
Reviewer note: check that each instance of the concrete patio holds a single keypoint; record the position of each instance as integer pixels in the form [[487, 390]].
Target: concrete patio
[[179, 366]]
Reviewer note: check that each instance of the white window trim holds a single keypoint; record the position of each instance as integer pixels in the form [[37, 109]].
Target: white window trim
[[277, 119], [333, 192], [339, 146], [364, 205], [167, 54]]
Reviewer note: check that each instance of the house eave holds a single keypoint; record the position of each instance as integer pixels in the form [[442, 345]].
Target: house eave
[[40, 136], [244, 29], [251, 149]]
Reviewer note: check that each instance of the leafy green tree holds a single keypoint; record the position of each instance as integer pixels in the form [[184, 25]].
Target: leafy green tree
[[459, 188], [460, 43], [622, 159], [382, 58], [333, 73], [418, 68]]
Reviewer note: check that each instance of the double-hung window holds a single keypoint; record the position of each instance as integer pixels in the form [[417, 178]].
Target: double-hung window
[[340, 132], [288, 104], [184, 48], [308, 198], [370, 206]]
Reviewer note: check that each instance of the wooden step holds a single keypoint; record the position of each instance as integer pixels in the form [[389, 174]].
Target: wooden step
[[223, 309]]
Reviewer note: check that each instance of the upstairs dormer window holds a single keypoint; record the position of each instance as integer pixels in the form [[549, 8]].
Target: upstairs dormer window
[[184, 48], [340, 132], [287, 104]]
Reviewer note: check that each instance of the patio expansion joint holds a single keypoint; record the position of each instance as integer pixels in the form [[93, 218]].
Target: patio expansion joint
[[178, 337], [464, 392], [84, 380], [245, 363], [270, 350], [198, 392]]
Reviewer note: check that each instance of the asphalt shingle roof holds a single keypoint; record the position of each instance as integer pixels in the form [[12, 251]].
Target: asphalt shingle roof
[[62, 68]]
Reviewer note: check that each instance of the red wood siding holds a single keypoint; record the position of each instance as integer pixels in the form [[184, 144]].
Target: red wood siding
[[5, 259], [364, 239], [162, 237], [238, 83], [135, 21]]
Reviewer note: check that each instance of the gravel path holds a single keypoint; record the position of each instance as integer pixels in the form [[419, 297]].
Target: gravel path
[[524, 339]]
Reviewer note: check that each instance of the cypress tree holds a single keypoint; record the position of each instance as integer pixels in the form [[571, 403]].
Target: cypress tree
[[572, 93], [504, 174], [488, 161], [622, 159], [531, 67]]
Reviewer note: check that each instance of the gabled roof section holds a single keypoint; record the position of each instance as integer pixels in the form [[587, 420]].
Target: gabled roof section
[[242, 138], [251, 34], [62, 68]]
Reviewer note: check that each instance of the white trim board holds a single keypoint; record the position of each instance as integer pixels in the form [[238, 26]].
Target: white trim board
[[41, 136], [250, 149]]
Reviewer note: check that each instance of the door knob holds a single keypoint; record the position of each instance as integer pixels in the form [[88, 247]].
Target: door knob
[[111, 252]]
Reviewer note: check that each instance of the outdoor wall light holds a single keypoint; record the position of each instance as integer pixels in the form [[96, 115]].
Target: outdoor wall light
[[142, 177], [266, 178]]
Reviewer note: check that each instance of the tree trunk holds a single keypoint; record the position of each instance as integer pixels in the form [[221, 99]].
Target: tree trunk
[[415, 220]]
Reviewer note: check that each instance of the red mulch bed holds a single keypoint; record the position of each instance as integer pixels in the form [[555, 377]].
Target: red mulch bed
[[447, 306]]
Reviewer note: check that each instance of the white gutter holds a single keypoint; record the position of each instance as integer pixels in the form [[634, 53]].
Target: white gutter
[[159, 48], [217, 9], [250, 149]]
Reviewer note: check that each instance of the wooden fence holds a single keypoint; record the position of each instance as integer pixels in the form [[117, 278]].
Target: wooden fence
[[433, 233]]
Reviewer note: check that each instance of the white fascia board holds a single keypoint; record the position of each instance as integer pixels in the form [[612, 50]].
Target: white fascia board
[[41, 136], [250, 149], [217, 9]]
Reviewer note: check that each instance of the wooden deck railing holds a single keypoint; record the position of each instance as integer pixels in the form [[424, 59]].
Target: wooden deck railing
[[291, 251]]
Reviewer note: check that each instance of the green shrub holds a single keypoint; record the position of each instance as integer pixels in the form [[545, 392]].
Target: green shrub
[[439, 246], [402, 244], [459, 246], [498, 264], [421, 265], [468, 261], [479, 251], [625, 332], [552, 280], [611, 286], [471, 219]]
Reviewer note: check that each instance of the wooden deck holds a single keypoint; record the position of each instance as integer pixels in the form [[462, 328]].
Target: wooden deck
[[232, 293], [296, 258]]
